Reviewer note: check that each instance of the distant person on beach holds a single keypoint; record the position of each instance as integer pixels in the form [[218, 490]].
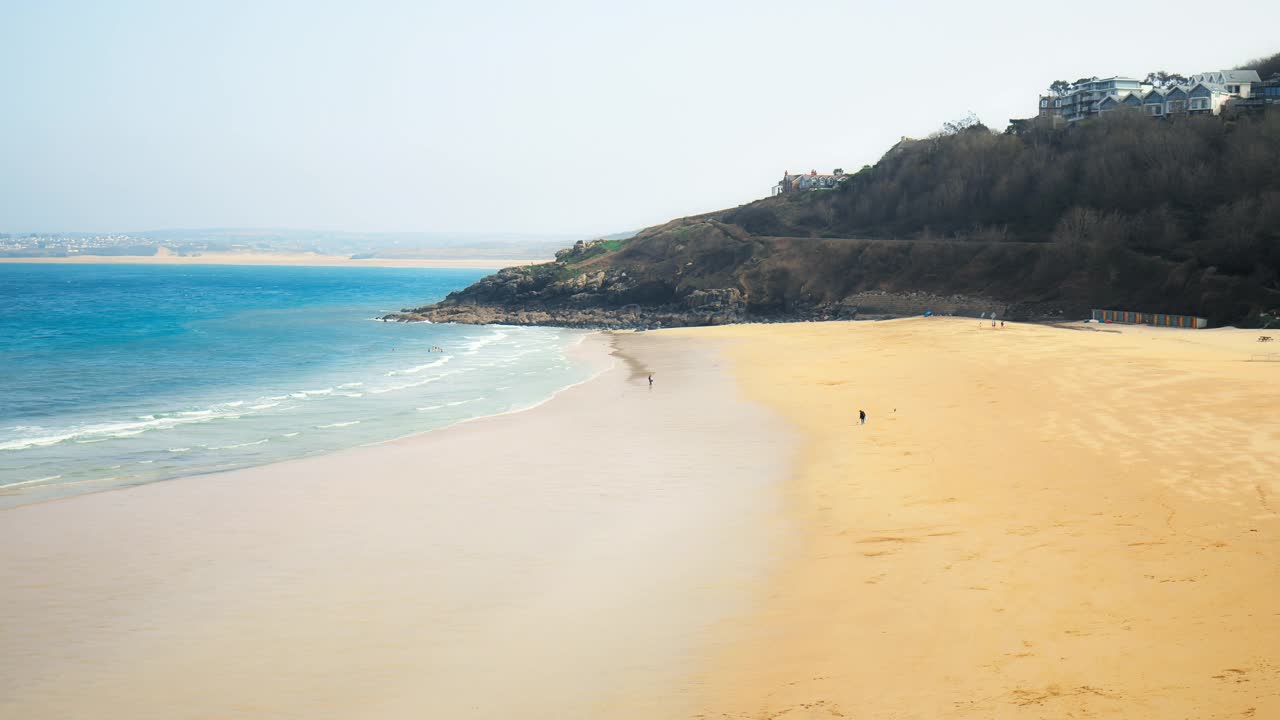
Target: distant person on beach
[[862, 417], [650, 379]]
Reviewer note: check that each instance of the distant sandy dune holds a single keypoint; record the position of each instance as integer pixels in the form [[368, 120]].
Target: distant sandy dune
[[164, 256]]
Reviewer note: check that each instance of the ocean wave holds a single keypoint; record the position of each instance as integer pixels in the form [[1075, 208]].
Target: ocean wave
[[345, 386], [420, 383], [338, 424], [179, 450], [482, 340], [464, 402], [263, 406], [419, 368], [240, 445], [47, 440], [29, 482], [352, 395], [128, 433], [292, 434]]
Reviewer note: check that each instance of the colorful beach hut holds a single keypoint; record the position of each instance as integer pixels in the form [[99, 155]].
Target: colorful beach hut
[[1143, 318]]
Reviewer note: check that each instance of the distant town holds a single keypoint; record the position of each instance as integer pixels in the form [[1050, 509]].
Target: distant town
[[195, 243]]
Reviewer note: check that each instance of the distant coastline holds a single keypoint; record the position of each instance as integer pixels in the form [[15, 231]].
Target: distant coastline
[[299, 259]]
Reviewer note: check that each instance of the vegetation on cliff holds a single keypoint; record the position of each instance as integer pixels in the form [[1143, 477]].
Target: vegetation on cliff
[[1123, 211]]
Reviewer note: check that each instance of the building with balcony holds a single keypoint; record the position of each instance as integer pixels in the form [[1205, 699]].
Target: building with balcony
[[1263, 94], [1204, 94], [1083, 99]]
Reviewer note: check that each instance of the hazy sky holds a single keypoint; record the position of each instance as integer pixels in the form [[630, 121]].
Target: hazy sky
[[534, 117]]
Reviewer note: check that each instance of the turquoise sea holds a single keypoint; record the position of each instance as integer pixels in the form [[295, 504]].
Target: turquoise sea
[[116, 375]]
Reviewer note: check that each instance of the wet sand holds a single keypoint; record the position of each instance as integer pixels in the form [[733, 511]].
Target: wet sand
[[1034, 523], [576, 560]]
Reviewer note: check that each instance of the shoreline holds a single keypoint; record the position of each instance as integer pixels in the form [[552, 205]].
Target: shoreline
[[276, 259], [1031, 522], [470, 571]]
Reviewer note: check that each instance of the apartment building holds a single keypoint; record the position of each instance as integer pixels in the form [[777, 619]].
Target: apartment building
[[1203, 94]]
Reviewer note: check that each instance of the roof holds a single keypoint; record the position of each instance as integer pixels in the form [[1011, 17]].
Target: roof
[[1228, 76], [1242, 75]]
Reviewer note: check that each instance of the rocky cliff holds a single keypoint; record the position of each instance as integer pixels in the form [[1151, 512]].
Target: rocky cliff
[[701, 271]]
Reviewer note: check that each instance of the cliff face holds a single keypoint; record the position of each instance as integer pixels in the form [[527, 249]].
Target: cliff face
[[702, 271], [1121, 213]]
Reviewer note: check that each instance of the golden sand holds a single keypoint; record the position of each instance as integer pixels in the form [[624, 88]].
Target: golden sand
[[1035, 522]]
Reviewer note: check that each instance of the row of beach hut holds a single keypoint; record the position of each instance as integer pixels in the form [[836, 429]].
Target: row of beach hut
[[1158, 319]]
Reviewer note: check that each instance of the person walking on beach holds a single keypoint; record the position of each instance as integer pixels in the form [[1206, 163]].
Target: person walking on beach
[[650, 379], [862, 417]]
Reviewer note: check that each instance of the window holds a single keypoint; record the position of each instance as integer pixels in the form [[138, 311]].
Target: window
[[1233, 89], [1200, 103], [1155, 110]]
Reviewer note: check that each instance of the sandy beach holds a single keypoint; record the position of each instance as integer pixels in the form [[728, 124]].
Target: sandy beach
[[300, 259], [1035, 522]]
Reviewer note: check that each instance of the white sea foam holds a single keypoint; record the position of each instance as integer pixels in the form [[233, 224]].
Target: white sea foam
[[179, 450], [30, 482], [338, 424], [344, 386], [482, 340], [419, 368], [420, 383], [292, 434], [263, 406], [464, 402], [24, 443], [240, 445], [127, 433]]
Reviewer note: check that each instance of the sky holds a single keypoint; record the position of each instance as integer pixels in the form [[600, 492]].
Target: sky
[[546, 117]]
